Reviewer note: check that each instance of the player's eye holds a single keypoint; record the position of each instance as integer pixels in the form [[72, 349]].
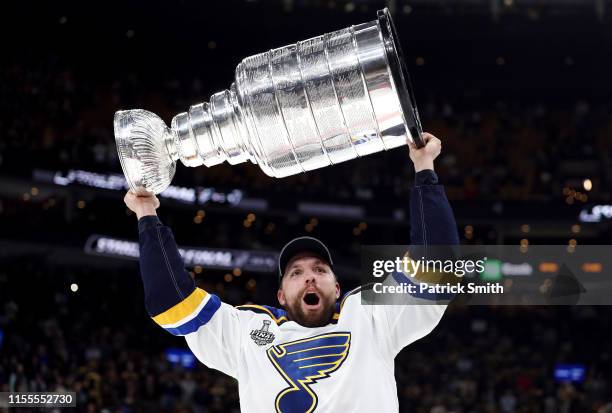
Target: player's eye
[[320, 269]]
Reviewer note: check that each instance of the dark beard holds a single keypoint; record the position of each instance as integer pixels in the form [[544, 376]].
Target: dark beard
[[297, 314]]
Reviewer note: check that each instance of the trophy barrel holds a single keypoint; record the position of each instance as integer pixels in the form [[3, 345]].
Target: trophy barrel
[[328, 99]]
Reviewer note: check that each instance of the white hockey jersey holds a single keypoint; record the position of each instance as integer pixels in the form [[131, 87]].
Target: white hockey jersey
[[281, 366]]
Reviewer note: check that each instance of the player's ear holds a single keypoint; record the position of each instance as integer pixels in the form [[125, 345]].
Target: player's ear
[[337, 290], [281, 297]]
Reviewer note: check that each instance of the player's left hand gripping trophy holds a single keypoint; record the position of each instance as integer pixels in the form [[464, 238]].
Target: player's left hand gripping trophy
[[300, 107]]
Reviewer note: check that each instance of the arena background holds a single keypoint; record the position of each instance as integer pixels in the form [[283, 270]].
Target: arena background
[[518, 90]]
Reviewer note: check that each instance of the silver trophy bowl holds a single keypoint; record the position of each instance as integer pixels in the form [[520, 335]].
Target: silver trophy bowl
[[300, 107]]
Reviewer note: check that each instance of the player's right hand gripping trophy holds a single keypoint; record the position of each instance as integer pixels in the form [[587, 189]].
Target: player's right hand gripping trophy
[[300, 107]]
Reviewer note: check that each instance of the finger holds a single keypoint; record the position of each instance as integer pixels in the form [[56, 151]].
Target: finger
[[426, 136]]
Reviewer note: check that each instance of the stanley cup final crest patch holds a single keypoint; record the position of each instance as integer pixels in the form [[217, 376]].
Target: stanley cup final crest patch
[[262, 336]]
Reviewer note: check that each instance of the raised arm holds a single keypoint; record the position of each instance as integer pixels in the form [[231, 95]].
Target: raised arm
[[172, 298], [432, 221]]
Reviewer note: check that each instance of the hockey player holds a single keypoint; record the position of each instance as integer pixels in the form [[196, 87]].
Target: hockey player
[[318, 353]]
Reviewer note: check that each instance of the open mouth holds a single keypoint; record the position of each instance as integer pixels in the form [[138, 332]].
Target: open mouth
[[311, 298]]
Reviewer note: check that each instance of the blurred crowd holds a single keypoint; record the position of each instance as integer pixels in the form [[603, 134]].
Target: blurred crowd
[[54, 117], [106, 349]]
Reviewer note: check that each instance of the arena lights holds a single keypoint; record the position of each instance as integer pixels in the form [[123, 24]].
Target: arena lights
[[210, 195], [571, 246], [251, 284], [495, 269], [468, 232], [524, 245], [573, 195], [587, 184], [596, 213], [311, 224], [548, 267], [592, 267], [181, 357], [249, 220], [331, 210], [508, 268], [570, 373], [492, 270]]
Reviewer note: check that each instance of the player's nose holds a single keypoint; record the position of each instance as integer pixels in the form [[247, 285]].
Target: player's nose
[[310, 277]]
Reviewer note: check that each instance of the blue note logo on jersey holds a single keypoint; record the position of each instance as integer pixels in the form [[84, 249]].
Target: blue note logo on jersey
[[304, 362]]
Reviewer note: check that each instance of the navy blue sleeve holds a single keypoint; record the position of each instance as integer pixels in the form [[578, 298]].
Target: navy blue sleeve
[[432, 221], [425, 177], [166, 282], [171, 297]]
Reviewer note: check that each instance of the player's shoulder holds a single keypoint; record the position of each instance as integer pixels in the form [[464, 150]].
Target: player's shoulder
[[353, 296], [278, 315]]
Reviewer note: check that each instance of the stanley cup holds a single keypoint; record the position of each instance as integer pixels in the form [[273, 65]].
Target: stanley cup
[[315, 103]]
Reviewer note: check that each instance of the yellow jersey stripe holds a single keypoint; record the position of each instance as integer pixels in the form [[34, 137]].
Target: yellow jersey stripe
[[183, 309]]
